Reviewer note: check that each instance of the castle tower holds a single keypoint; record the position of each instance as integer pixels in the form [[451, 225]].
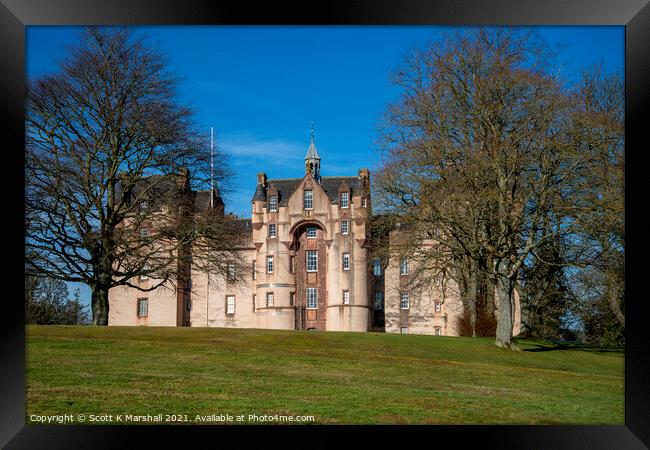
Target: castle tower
[[312, 159]]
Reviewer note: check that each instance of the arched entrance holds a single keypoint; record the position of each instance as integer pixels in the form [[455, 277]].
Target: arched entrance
[[310, 266]]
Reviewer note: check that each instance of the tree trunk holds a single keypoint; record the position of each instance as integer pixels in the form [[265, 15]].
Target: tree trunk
[[472, 293], [504, 293], [615, 304], [99, 303], [525, 309]]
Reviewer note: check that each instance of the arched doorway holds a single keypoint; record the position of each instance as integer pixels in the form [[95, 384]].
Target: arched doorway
[[310, 266]]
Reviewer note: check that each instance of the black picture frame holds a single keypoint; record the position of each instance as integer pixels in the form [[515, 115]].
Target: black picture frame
[[633, 14]]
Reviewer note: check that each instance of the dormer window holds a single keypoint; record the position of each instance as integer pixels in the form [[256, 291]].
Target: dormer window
[[345, 199], [308, 199], [273, 203]]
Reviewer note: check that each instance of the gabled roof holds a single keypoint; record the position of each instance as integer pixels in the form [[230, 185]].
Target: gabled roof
[[287, 186]]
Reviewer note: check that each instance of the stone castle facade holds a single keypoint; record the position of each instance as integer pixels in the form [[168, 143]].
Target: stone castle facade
[[307, 244]]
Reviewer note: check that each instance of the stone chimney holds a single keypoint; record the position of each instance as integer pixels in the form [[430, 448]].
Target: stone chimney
[[183, 178], [261, 179], [364, 174]]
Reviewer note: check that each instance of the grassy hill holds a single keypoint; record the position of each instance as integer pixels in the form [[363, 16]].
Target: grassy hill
[[349, 378]]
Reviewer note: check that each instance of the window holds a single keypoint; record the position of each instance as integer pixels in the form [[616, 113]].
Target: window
[[404, 266], [379, 300], [144, 205], [364, 202], [346, 297], [437, 331], [272, 230], [232, 272], [312, 298], [254, 302], [346, 261], [404, 300], [345, 226], [230, 304], [376, 267], [345, 199], [437, 305], [308, 199], [292, 298], [269, 264], [292, 264], [254, 270], [269, 299], [144, 269], [273, 203], [311, 232], [143, 307], [312, 261], [404, 330], [144, 232]]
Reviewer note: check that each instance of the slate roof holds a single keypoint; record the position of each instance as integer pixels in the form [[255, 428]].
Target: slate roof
[[312, 153], [245, 225], [286, 187], [202, 199], [160, 187], [166, 188], [260, 193]]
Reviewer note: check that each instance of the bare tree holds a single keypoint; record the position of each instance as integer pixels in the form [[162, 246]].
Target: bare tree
[[112, 158], [482, 146], [47, 303], [600, 126]]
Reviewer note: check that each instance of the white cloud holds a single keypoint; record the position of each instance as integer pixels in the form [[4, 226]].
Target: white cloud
[[242, 147]]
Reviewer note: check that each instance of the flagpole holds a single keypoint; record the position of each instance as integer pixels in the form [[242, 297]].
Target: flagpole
[[211, 168]]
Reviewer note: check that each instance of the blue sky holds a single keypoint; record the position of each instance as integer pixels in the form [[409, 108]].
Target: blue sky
[[260, 87]]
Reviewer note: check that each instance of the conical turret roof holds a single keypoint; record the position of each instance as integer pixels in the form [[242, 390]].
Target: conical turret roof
[[312, 153]]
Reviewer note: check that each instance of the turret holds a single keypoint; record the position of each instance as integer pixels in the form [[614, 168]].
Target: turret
[[312, 159]]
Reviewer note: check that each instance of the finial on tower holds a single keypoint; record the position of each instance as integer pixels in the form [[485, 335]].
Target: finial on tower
[[312, 132]]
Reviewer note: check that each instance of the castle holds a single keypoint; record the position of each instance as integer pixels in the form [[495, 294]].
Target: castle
[[308, 247]]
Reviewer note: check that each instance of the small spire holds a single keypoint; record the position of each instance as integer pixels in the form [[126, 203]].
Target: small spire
[[312, 159]]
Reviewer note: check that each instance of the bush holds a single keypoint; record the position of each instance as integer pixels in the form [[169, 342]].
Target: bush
[[486, 324]]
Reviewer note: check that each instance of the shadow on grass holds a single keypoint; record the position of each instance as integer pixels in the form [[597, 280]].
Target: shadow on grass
[[555, 346]]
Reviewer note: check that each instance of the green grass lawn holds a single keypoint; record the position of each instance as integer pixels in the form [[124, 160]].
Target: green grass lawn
[[343, 378]]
